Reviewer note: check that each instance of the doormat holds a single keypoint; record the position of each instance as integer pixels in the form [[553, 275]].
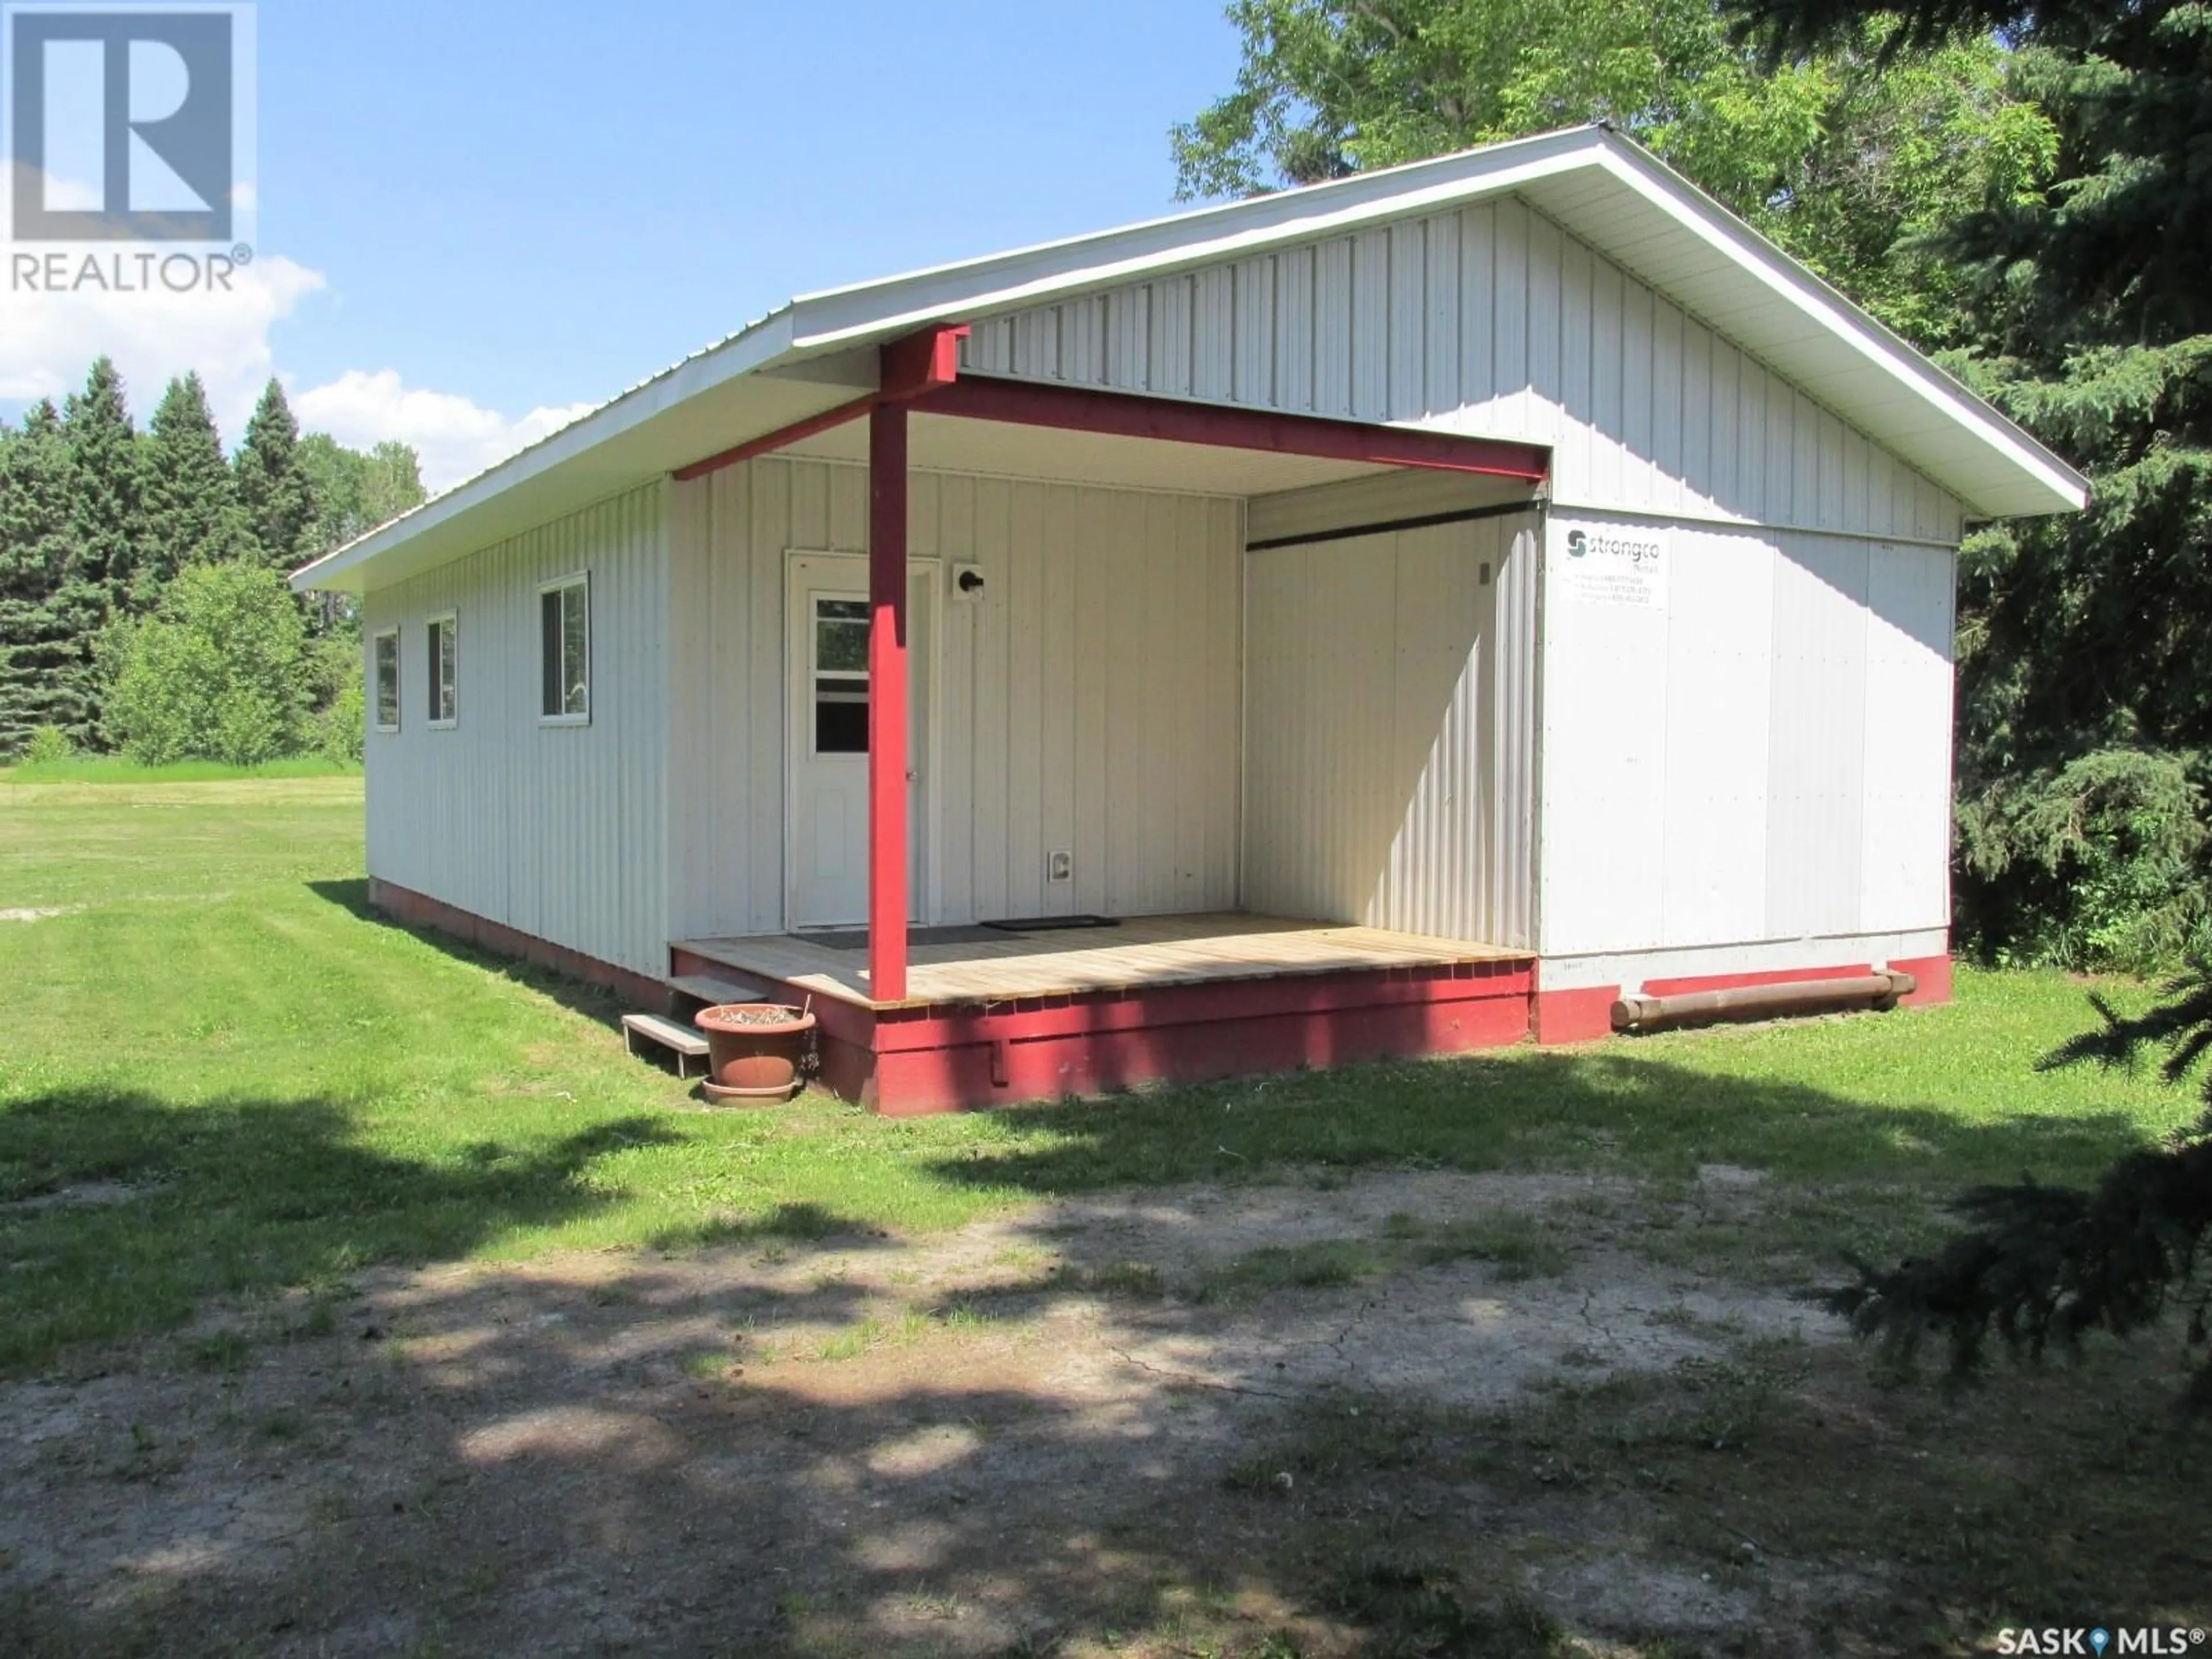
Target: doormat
[[857, 938], [1051, 924]]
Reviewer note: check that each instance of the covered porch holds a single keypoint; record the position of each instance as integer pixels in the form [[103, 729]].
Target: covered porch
[[1218, 673]]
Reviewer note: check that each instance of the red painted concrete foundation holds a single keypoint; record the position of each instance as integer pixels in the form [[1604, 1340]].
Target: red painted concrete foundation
[[909, 1061], [418, 910], [1933, 974], [1577, 1016]]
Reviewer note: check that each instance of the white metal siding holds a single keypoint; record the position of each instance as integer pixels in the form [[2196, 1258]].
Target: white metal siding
[[1767, 758], [1390, 768], [1493, 321], [557, 831], [1089, 702]]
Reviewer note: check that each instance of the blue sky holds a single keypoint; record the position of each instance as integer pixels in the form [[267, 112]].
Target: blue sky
[[472, 212]]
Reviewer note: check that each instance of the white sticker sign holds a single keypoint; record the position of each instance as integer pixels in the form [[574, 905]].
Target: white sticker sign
[[1613, 565]]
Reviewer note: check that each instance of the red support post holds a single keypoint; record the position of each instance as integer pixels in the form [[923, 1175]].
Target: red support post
[[887, 702]]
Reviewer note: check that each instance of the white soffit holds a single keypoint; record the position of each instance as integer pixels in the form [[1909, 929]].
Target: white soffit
[[940, 443]]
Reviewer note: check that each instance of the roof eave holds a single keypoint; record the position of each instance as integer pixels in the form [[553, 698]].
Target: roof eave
[[841, 318], [758, 346], [2047, 483]]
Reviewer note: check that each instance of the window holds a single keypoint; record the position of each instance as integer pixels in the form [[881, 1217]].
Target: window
[[384, 646], [840, 677], [438, 636], [564, 635]]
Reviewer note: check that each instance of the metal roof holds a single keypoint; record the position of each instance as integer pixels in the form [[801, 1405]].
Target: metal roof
[[818, 350]]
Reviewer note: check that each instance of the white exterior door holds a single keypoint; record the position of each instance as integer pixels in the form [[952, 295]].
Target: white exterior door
[[826, 656]]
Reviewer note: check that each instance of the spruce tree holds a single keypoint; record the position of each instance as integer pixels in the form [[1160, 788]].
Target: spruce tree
[[274, 490], [108, 523], [45, 616], [2039, 1266], [192, 505]]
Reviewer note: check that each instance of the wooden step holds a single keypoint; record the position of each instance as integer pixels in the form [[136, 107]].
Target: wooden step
[[684, 1042], [714, 990]]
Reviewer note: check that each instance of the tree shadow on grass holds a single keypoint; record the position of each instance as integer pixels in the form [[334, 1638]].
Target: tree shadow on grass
[[595, 1455], [121, 1211], [1621, 1112]]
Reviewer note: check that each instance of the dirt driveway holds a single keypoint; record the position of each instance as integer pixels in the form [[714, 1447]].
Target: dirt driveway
[[1295, 1420]]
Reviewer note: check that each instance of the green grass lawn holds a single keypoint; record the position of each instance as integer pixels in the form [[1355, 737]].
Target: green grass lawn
[[292, 1090], [118, 768]]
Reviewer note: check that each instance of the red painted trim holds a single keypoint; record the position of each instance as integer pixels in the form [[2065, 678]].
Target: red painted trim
[[1114, 1012], [926, 361], [1015, 1065], [1933, 974], [768, 443], [1669, 988], [1580, 1016], [922, 362], [420, 910], [1079, 409], [1573, 1016], [887, 702], [1054, 1047]]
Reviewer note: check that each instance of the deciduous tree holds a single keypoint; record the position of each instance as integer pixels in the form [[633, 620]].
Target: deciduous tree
[[217, 673], [1845, 161]]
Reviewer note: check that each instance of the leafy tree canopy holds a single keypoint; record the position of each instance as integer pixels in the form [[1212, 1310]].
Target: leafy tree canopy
[[1846, 161], [98, 520], [217, 673], [355, 492]]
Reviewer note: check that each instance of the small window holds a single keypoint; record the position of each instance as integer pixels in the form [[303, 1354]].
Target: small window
[[564, 625], [840, 677], [437, 637], [385, 647]]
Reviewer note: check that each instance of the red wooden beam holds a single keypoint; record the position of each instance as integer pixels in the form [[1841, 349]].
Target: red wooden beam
[[914, 367], [922, 363], [887, 700], [768, 442], [1077, 410]]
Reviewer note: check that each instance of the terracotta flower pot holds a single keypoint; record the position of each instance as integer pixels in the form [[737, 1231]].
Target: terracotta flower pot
[[753, 1050]]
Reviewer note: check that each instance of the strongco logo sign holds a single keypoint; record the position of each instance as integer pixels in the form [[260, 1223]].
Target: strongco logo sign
[[128, 125]]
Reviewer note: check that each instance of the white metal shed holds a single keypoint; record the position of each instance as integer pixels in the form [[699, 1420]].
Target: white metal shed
[[1415, 609]]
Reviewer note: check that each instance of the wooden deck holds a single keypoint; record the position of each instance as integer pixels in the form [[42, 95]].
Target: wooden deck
[[1140, 953]]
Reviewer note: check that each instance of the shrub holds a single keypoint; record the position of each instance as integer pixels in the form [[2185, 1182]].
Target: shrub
[[48, 744], [2098, 864], [219, 673], [343, 726]]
